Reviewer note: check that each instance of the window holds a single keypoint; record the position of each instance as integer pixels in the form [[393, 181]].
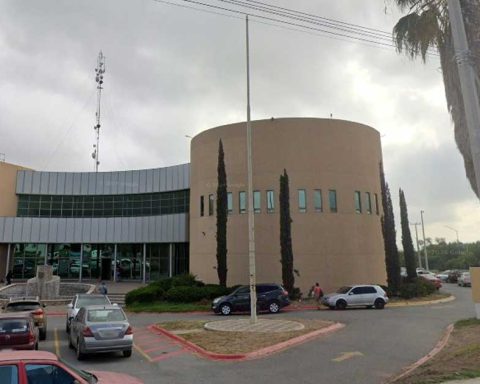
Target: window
[[9, 374], [358, 202], [257, 198], [376, 203], [202, 205], [302, 200], [270, 201], [242, 197], [210, 205], [45, 373], [229, 202], [332, 199], [369, 202], [317, 200]]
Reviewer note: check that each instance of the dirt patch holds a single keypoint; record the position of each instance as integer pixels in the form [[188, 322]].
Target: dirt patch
[[237, 342], [459, 359]]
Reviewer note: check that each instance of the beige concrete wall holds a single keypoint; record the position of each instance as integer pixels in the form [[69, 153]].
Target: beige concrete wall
[[8, 198], [331, 248]]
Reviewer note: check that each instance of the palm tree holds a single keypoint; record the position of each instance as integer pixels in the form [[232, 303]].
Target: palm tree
[[426, 26]]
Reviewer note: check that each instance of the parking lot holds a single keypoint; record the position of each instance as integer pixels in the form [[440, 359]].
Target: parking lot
[[374, 345]]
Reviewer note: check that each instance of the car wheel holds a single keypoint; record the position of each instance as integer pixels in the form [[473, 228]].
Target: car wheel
[[341, 304], [80, 354], [36, 347], [225, 309], [70, 345], [43, 334], [67, 327], [379, 304], [127, 353], [273, 307]]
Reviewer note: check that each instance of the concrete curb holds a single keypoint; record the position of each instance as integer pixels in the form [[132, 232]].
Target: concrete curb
[[419, 303], [438, 347], [250, 355]]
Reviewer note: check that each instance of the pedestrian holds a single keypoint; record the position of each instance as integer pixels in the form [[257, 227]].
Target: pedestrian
[[317, 294], [103, 288], [9, 277]]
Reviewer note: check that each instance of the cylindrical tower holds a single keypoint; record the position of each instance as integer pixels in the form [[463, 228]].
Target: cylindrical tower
[[335, 201]]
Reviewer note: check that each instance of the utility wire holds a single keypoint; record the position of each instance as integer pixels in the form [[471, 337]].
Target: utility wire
[[347, 34]]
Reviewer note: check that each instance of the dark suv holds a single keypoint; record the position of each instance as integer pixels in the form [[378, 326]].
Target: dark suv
[[270, 297]]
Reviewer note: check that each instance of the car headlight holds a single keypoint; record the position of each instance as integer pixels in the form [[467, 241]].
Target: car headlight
[[215, 301]]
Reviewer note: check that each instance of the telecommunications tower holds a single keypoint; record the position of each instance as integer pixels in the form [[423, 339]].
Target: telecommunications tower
[[99, 71]]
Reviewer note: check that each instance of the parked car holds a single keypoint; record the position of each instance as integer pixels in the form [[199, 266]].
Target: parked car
[[454, 275], [464, 280], [81, 300], [101, 328], [40, 367], [18, 331], [270, 297], [356, 296], [433, 279], [443, 276], [34, 306]]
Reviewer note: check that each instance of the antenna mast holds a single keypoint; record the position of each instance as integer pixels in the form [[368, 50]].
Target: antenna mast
[[99, 71]]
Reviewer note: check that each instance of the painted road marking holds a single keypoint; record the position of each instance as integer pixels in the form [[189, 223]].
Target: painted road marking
[[156, 347], [56, 342], [347, 355]]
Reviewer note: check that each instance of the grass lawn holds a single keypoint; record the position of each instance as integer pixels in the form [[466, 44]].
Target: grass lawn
[[163, 306], [460, 359]]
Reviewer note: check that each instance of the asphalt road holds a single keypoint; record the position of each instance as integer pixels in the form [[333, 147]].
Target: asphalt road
[[374, 345]]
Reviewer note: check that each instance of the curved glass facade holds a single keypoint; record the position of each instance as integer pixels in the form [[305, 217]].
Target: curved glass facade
[[144, 204]]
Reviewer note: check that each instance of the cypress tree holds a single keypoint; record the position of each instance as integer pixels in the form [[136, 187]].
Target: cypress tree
[[408, 250], [392, 260], [288, 279], [222, 216]]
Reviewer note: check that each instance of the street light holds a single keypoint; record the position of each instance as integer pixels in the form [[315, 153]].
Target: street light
[[453, 229], [424, 243]]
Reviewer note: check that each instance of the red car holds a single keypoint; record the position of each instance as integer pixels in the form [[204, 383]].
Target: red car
[[433, 279], [18, 331], [39, 367]]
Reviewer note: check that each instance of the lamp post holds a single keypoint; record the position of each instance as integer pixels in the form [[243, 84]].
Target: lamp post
[[424, 243], [453, 229], [418, 248]]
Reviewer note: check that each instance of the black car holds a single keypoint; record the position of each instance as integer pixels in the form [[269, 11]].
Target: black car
[[270, 297]]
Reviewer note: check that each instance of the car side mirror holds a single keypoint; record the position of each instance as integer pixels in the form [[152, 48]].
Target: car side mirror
[[350, 293], [70, 306], [44, 305], [3, 308], [115, 304]]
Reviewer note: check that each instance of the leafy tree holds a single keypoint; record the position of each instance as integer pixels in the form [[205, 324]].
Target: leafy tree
[[427, 26], [408, 250], [286, 251], [392, 260], [222, 216]]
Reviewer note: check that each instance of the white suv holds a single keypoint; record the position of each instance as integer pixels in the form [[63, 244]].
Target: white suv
[[82, 300], [356, 296]]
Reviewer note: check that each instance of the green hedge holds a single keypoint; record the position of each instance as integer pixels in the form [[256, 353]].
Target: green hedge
[[419, 288], [178, 289]]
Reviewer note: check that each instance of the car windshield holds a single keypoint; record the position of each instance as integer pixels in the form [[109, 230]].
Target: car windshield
[[22, 306], [105, 315], [91, 379], [344, 289], [92, 300]]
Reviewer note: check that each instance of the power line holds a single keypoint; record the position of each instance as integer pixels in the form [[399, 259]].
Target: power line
[[347, 33]]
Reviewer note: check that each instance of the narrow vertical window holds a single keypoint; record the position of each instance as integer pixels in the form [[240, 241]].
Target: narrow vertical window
[[376, 204], [229, 202], [257, 198], [242, 200], [332, 199], [358, 202], [270, 202], [369, 202], [202, 206], [317, 200], [302, 200], [210, 205]]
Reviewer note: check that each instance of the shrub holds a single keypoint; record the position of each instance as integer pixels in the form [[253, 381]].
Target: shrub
[[418, 288], [144, 294], [184, 294], [187, 280], [211, 291]]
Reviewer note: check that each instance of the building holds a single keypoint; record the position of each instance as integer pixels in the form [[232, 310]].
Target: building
[[147, 224]]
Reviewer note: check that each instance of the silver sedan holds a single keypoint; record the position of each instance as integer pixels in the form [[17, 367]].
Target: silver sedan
[[101, 328]]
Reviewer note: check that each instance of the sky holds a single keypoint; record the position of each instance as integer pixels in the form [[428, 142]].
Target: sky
[[172, 72]]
